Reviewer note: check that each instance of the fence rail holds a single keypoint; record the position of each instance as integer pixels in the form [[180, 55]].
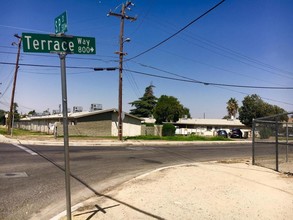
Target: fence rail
[[272, 142]]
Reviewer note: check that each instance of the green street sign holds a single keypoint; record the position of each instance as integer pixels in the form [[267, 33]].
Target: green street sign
[[61, 23], [44, 43]]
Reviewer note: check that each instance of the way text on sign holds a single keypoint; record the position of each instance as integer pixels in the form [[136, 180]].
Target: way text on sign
[[42, 43]]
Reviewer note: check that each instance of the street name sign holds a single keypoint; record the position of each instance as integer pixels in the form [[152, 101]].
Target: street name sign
[[61, 23], [45, 43]]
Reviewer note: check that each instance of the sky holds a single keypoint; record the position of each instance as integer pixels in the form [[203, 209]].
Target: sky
[[242, 43]]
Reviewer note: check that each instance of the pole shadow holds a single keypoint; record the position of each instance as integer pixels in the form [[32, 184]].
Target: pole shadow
[[95, 192], [94, 212]]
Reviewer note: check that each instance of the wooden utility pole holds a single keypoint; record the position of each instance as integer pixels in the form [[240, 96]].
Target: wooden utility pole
[[11, 112], [122, 16]]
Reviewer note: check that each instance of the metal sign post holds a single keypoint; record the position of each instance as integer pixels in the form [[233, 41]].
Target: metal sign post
[[65, 133], [62, 45]]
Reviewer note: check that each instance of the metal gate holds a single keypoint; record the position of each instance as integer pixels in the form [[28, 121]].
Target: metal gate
[[272, 142]]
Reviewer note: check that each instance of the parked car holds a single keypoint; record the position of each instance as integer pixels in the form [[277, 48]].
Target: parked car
[[222, 133], [235, 133]]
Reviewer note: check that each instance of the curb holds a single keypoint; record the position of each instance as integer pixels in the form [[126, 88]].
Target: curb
[[122, 144]]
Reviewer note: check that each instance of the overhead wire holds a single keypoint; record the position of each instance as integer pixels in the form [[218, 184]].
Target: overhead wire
[[244, 62], [47, 66], [211, 66], [230, 51], [262, 97], [142, 19], [177, 32], [217, 86], [219, 50], [133, 83], [8, 84], [185, 79], [238, 54], [69, 57], [24, 29]]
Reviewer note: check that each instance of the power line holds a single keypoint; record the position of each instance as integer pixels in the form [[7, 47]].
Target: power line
[[244, 93], [217, 86], [206, 64], [133, 84], [186, 79], [217, 47], [247, 60], [24, 29], [8, 85], [47, 66], [225, 52], [233, 52], [73, 58], [173, 35]]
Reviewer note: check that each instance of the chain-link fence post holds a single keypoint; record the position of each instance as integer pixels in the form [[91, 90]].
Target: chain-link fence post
[[287, 140], [253, 141], [277, 144]]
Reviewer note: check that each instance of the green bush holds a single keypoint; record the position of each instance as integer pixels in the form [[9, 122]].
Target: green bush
[[265, 133], [168, 130]]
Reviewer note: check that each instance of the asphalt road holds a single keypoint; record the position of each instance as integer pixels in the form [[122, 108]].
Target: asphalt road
[[32, 186]]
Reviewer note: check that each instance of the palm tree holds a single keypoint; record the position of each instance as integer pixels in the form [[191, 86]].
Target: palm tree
[[232, 107]]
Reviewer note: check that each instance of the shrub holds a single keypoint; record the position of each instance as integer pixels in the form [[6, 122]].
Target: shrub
[[168, 130], [265, 133]]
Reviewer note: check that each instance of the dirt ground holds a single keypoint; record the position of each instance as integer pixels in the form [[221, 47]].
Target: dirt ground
[[197, 191]]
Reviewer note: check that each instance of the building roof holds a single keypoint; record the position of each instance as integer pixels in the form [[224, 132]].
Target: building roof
[[74, 115], [203, 122], [149, 120], [210, 122]]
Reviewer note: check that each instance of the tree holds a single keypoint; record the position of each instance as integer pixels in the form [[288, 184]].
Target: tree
[[186, 112], [169, 109], [232, 107], [254, 107], [145, 105], [2, 117], [16, 114], [32, 113]]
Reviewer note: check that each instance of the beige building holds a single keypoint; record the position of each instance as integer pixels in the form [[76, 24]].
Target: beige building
[[93, 123], [208, 127]]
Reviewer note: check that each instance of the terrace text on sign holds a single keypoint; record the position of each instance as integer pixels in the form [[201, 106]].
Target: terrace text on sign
[[42, 43]]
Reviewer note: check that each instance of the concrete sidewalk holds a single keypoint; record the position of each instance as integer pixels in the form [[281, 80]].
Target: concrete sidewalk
[[112, 142], [225, 190], [211, 190]]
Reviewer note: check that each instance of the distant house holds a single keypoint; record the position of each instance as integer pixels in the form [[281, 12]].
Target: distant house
[[207, 127], [204, 127], [92, 123]]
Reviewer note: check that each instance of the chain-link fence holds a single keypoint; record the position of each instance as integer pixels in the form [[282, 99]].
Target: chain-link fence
[[272, 142]]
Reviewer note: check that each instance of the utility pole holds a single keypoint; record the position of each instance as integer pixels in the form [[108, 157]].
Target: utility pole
[[11, 112], [122, 17]]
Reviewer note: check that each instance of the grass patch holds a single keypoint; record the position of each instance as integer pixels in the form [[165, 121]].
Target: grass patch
[[25, 134], [20, 132], [178, 138]]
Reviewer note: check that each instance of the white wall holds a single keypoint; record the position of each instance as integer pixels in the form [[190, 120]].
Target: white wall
[[128, 129]]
